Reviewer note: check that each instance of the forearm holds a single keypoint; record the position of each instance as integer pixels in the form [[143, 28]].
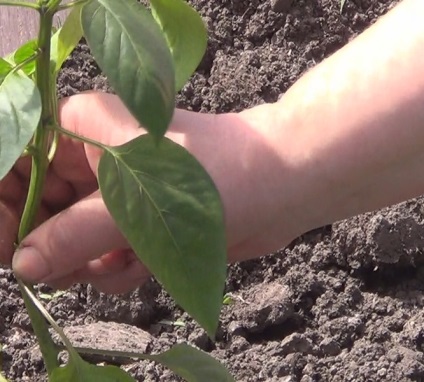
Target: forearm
[[345, 139], [357, 121]]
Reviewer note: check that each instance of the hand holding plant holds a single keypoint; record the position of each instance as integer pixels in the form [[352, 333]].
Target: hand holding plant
[[161, 199], [72, 184]]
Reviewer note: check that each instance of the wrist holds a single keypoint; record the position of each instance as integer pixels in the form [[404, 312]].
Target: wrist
[[245, 154]]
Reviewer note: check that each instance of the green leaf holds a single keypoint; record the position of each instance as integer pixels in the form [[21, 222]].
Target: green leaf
[[51, 296], [66, 38], [170, 212], [78, 370], [20, 111], [23, 53], [227, 300], [185, 361], [5, 68], [129, 47], [342, 4], [185, 33], [193, 365]]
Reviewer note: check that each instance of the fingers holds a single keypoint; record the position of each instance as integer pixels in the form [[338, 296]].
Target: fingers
[[133, 276], [8, 231], [57, 194], [68, 241], [63, 247], [116, 272], [99, 116], [115, 261], [12, 189]]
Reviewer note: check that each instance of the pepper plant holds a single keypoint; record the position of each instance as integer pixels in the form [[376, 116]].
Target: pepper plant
[[160, 197]]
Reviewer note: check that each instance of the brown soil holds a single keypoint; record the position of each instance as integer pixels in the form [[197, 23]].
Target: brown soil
[[342, 303]]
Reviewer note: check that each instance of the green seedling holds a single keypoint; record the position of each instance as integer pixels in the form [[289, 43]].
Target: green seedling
[[228, 299], [159, 195], [51, 296], [176, 323]]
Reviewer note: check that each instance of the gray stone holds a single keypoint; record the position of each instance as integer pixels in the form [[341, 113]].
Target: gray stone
[[107, 336], [281, 5]]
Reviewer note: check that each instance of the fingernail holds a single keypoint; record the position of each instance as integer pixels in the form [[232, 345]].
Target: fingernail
[[29, 265]]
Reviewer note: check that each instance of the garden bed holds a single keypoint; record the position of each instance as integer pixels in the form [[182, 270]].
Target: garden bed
[[341, 303]]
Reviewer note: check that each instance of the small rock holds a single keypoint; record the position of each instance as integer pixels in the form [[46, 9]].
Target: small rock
[[296, 343], [281, 5], [108, 336], [239, 344], [263, 306], [235, 328], [306, 378], [134, 308], [330, 347], [382, 372], [200, 338]]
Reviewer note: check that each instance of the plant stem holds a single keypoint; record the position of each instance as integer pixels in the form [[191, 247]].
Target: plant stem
[[39, 167], [89, 141], [20, 4], [71, 4], [26, 61], [49, 318], [40, 141], [49, 349], [53, 5], [53, 146]]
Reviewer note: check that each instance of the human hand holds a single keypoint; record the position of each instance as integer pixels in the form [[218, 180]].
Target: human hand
[[76, 239]]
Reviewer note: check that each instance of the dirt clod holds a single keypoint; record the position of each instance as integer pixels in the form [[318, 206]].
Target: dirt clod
[[281, 5]]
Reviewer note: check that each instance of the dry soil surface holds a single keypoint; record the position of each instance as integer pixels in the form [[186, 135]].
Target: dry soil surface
[[341, 303]]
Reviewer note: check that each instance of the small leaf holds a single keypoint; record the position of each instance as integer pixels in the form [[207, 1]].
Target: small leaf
[[179, 323], [78, 370], [193, 365], [5, 68], [24, 52], [17, 57], [129, 47], [342, 4], [169, 210], [66, 38], [185, 33], [228, 299], [51, 296], [20, 111], [185, 361]]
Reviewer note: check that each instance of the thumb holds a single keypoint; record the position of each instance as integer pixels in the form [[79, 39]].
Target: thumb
[[99, 116], [67, 241]]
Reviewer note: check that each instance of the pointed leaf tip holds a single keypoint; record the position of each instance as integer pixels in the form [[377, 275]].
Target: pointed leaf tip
[[169, 210]]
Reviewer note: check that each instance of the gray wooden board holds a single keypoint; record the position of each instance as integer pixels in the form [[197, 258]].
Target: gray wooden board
[[18, 25]]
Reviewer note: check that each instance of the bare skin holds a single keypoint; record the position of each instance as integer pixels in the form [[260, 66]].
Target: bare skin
[[347, 138]]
